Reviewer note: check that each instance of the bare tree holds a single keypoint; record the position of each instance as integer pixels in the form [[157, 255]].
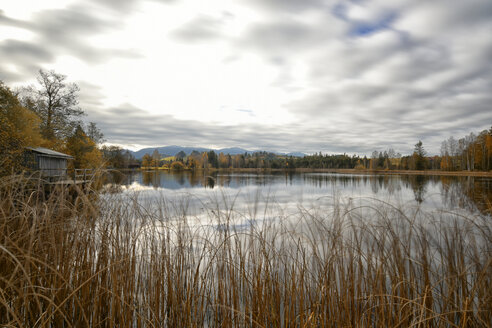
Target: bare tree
[[56, 103], [94, 133]]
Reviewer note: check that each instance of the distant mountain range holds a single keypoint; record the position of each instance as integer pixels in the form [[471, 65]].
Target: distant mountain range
[[166, 151]]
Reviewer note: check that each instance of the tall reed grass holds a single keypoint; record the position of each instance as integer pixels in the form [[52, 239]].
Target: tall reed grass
[[102, 261]]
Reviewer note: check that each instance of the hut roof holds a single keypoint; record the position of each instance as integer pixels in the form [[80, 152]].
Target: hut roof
[[49, 152]]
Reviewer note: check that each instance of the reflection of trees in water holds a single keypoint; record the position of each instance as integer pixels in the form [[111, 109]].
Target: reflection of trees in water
[[179, 176], [419, 187], [151, 178], [195, 178], [209, 182], [323, 181], [471, 193], [115, 177], [419, 184], [387, 183]]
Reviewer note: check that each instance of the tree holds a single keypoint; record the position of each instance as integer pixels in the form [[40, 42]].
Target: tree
[[178, 166], [113, 156], [374, 159], [83, 149], [19, 129], [94, 133], [419, 156], [180, 156], [56, 103], [146, 160], [156, 157], [212, 159]]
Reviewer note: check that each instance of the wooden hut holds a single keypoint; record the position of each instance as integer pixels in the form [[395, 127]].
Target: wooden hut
[[49, 163]]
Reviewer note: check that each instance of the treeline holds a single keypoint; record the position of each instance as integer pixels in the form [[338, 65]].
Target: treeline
[[470, 153], [473, 152], [46, 115]]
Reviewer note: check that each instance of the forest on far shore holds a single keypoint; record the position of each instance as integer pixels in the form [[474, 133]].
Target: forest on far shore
[[48, 115], [472, 153]]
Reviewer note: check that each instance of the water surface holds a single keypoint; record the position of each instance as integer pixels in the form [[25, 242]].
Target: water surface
[[284, 190]]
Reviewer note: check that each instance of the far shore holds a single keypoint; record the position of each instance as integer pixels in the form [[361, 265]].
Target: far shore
[[339, 171]]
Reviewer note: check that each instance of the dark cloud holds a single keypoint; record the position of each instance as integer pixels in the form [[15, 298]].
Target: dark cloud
[[90, 95], [69, 30], [201, 28], [58, 32], [125, 6], [281, 36], [289, 6], [10, 77], [127, 124], [27, 58], [25, 51]]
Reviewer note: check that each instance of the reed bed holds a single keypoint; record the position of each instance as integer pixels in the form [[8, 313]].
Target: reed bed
[[79, 259]]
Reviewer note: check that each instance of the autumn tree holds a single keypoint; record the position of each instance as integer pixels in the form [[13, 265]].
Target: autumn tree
[[146, 160], [223, 160], [204, 160], [19, 129], [178, 166], [156, 158], [195, 160], [56, 102], [83, 149]]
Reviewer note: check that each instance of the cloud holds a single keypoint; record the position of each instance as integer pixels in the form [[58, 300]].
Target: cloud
[[128, 124], [125, 6], [28, 51], [289, 6], [356, 75], [68, 31], [58, 32], [90, 95], [5, 20], [280, 36], [201, 28], [399, 71]]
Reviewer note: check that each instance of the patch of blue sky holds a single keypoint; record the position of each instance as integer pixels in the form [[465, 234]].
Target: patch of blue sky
[[364, 28], [360, 28]]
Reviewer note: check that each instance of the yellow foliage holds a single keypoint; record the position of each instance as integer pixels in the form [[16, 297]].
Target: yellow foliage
[[20, 129], [177, 166], [146, 160], [84, 150]]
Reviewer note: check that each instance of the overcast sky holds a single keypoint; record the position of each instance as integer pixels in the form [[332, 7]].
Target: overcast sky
[[283, 75]]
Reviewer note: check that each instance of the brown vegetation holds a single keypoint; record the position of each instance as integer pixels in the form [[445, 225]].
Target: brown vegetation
[[109, 262]]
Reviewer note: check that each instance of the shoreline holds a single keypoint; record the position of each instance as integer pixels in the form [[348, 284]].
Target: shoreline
[[400, 172], [336, 171]]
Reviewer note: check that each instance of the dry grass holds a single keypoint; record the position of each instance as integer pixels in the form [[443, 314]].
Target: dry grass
[[103, 262]]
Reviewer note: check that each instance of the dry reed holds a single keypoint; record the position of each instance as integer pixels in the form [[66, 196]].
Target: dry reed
[[73, 259]]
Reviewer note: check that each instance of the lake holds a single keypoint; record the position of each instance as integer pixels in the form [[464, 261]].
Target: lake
[[316, 245], [285, 190]]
